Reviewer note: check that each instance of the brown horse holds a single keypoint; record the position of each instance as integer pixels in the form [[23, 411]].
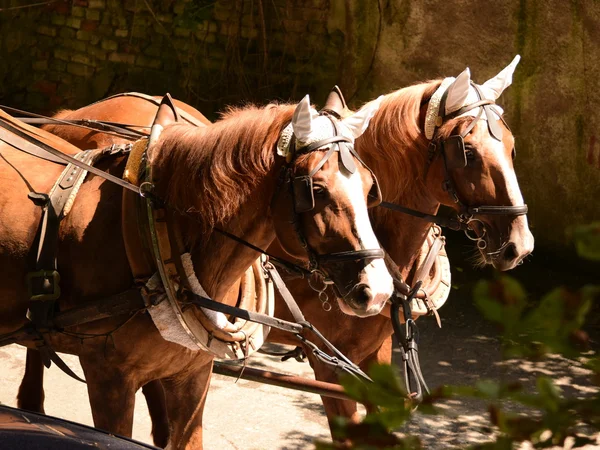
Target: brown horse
[[396, 147], [227, 176]]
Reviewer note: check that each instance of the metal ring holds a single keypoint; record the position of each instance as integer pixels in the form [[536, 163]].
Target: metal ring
[[481, 244], [315, 288], [474, 237], [146, 189]]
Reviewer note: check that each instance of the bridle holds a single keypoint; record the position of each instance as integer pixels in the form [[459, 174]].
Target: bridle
[[301, 191], [452, 149]]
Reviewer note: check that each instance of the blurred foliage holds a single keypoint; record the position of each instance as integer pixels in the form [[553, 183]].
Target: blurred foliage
[[587, 240], [531, 330]]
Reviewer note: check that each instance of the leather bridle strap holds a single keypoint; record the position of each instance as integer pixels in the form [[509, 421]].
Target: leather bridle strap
[[353, 255], [346, 153], [497, 210], [449, 222]]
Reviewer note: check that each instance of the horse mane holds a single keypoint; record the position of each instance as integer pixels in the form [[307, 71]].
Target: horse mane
[[394, 144], [213, 170]]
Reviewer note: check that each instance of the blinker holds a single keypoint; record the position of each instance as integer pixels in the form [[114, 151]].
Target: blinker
[[346, 159], [304, 199], [454, 152]]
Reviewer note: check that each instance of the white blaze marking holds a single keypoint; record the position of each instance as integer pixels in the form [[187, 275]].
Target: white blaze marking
[[375, 274], [520, 234], [510, 177]]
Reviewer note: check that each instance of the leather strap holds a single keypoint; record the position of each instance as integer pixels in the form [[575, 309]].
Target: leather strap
[[21, 143], [449, 222], [408, 340], [49, 355], [69, 159], [497, 210], [352, 255]]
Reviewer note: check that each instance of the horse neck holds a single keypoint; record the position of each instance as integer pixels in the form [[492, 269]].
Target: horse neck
[[402, 235], [220, 261]]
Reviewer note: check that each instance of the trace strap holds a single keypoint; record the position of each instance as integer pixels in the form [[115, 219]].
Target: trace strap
[[408, 340], [339, 360]]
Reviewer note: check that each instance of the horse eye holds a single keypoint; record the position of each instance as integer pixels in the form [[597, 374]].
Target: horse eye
[[513, 154], [470, 154], [319, 190]]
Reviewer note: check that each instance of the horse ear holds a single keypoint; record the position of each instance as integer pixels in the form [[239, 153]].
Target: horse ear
[[359, 121], [458, 92], [302, 119], [496, 85], [335, 102]]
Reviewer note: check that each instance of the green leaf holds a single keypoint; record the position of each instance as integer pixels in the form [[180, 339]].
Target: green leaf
[[587, 241], [549, 393]]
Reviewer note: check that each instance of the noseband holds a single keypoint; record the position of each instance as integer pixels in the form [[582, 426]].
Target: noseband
[[453, 151], [301, 190]]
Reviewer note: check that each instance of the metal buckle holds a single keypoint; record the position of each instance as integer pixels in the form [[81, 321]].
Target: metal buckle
[[45, 275]]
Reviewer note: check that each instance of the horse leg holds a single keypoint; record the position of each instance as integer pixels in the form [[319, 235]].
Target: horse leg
[[333, 407], [157, 407], [186, 395], [347, 408], [383, 355], [112, 396], [31, 390]]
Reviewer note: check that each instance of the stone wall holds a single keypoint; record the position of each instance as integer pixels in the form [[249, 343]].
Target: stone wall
[[553, 106], [212, 53], [206, 52]]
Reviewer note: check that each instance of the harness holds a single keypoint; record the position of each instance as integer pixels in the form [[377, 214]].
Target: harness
[[45, 319]]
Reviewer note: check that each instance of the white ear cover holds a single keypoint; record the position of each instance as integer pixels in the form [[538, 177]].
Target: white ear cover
[[302, 119], [458, 92], [358, 122], [495, 86]]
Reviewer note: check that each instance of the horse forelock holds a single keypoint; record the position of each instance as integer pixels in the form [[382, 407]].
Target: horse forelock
[[212, 171], [395, 147]]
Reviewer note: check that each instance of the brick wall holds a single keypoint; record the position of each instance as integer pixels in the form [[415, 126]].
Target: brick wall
[[209, 53]]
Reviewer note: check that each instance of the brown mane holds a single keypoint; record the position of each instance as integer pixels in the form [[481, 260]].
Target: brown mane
[[394, 144], [216, 168]]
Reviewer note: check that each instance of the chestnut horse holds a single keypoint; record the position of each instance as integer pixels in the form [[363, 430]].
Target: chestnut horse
[[226, 176], [396, 147]]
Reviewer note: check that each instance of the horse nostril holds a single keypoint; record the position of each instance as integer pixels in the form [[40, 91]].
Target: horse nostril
[[361, 294], [510, 252]]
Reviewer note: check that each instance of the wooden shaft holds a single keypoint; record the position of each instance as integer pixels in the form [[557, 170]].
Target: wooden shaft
[[282, 380]]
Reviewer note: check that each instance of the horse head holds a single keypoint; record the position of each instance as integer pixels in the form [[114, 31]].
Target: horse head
[[472, 151], [330, 189]]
